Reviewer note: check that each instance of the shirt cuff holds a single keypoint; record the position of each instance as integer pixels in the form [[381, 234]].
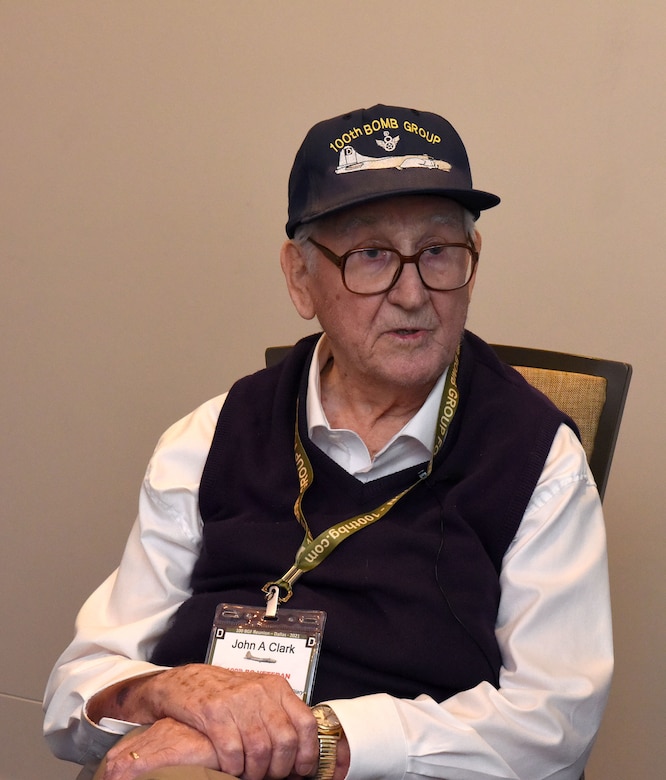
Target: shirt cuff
[[104, 735], [98, 740], [375, 735]]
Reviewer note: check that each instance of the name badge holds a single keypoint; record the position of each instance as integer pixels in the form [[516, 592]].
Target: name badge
[[243, 640]]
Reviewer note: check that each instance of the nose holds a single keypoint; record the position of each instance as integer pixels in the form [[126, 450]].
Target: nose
[[409, 291]]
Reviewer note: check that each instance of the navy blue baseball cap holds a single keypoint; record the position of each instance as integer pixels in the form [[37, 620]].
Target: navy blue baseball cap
[[377, 153]]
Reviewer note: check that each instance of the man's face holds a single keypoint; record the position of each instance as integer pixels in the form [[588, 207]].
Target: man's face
[[404, 337]]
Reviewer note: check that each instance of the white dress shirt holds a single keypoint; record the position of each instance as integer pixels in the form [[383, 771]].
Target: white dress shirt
[[553, 626]]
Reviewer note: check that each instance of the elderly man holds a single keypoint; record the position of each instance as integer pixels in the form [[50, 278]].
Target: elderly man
[[390, 503]]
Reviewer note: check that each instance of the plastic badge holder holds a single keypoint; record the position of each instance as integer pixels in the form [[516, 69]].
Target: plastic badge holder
[[243, 640]]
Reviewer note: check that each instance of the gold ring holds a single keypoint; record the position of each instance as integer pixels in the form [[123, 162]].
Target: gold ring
[[134, 755]]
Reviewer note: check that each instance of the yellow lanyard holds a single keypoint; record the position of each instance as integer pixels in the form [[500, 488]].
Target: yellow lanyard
[[315, 550]]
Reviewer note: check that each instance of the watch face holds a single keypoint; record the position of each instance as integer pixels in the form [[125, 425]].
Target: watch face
[[326, 718]]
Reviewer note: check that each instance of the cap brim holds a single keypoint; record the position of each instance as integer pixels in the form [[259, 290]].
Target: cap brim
[[475, 201]]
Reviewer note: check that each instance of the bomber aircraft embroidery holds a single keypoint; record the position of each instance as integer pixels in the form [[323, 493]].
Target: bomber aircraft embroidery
[[351, 160]]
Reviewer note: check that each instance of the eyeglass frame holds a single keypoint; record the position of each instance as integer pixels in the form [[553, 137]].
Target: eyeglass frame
[[341, 261]]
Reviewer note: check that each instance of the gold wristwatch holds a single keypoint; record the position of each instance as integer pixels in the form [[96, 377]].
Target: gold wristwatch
[[329, 732]]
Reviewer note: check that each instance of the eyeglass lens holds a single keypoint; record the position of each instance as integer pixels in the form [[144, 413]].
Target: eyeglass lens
[[375, 270]]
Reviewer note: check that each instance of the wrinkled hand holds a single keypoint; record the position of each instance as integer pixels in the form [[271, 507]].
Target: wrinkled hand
[[165, 743], [257, 726]]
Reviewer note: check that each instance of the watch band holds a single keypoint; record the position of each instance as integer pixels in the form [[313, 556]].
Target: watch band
[[329, 732], [328, 751]]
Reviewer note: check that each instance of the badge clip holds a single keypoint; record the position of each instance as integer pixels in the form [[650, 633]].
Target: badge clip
[[273, 589]]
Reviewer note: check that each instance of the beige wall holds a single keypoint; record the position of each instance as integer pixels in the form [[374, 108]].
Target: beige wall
[[144, 152]]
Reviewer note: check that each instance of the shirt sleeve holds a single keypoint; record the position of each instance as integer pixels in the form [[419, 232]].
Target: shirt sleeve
[[554, 634], [120, 624]]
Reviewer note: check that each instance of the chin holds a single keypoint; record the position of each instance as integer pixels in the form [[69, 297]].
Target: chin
[[411, 372]]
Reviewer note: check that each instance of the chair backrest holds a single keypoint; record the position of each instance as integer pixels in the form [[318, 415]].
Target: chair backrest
[[592, 391]]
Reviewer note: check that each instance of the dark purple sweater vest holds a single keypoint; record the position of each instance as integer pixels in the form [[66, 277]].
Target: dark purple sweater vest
[[412, 600]]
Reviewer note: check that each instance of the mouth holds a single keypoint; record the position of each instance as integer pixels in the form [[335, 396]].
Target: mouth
[[407, 333]]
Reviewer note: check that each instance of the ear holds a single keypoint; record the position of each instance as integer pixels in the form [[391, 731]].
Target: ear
[[476, 240], [295, 270]]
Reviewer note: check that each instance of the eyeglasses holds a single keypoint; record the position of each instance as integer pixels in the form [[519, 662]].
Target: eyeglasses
[[374, 270]]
